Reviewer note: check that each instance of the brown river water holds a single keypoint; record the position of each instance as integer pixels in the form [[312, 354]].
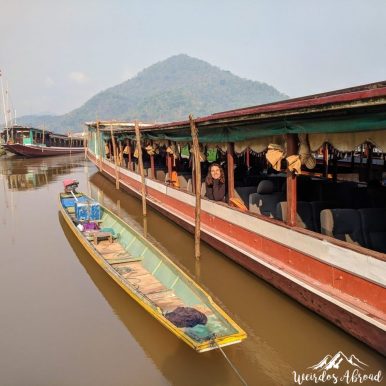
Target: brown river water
[[63, 321]]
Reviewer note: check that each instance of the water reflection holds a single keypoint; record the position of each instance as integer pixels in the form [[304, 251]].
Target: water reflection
[[178, 363], [34, 173]]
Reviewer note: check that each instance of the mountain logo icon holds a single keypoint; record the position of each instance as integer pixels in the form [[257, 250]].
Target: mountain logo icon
[[334, 362]]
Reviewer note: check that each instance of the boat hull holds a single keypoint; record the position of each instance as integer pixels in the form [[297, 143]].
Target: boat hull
[[220, 341], [33, 151], [355, 304]]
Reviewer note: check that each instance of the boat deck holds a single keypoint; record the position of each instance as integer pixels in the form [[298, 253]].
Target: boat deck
[[131, 269]]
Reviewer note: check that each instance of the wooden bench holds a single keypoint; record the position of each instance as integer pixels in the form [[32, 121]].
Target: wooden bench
[[102, 236]]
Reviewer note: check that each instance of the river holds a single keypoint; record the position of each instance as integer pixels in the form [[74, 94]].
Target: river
[[63, 321]]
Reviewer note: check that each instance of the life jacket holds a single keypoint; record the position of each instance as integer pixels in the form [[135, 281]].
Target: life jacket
[[237, 203], [174, 180]]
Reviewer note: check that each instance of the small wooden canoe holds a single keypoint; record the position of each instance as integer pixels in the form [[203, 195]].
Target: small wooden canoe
[[151, 278]]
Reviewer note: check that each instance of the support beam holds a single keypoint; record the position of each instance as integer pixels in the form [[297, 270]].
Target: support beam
[[292, 148], [230, 169], [120, 153], [100, 146], [369, 163], [169, 162], [129, 157], [152, 166], [115, 152], [325, 160], [334, 167], [197, 168], [140, 166]]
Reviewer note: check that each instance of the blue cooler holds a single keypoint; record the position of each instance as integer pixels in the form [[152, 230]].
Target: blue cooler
[[89, 210]]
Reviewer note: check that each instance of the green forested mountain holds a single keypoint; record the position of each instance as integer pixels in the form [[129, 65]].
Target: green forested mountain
[[166, 91]]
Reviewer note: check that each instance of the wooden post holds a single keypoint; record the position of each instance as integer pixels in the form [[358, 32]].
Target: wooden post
[[110, 151], [85, 140], [230, 167], [334, 167], [361, 158], [129, 157], [325, 160], [170, 163], [369, 162], [197, 168], [152, 167], [70, 141], [120, 153], [115, 158], [191, 163], [292, 148], [99, 139], [140, 166]]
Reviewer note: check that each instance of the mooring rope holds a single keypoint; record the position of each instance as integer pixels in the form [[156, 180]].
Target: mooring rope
[[229, 361]]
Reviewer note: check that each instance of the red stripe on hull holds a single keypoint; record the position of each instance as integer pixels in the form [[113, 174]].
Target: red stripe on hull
[[29, 151]]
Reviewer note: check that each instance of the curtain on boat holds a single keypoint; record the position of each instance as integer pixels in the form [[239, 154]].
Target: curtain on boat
[[258, 145], [347, 142]]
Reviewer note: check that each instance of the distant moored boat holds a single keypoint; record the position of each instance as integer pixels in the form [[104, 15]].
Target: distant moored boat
[[32, 142]]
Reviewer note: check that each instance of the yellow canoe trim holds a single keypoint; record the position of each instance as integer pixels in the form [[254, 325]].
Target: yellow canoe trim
[[203, 347]]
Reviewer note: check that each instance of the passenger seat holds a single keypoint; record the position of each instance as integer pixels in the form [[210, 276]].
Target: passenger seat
[[374, 228], [343, 224], [304, 214], [317, 207], [265, 200]]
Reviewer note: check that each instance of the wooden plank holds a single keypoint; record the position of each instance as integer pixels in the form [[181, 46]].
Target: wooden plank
[[123, 260]]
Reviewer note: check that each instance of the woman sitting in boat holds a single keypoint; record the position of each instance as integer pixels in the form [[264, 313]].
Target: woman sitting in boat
[[215, 183]]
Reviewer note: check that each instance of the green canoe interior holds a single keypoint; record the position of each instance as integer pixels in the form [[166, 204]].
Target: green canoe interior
[[150, 275]]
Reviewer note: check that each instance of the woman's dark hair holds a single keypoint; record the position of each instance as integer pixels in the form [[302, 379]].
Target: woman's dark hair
[[209, 178]]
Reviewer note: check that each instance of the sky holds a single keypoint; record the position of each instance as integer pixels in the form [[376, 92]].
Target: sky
[[55, 54]]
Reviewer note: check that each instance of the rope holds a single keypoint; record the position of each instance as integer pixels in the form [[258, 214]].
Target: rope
[[242, 380]]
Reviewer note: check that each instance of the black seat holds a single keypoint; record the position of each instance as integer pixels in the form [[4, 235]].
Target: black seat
[[304, 214], [343, 224], [243, 193], [374, 228]]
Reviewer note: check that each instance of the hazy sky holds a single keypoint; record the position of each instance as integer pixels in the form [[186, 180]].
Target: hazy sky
[[56, 54]]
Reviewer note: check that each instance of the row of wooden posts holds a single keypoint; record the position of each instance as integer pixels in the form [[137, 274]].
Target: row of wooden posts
[[291, 177], [196, 166]]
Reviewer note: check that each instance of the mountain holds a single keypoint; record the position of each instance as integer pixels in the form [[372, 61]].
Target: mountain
[[169, 90], [336, 361]]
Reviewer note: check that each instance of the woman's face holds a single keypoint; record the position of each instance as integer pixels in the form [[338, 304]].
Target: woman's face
[[215, 172]]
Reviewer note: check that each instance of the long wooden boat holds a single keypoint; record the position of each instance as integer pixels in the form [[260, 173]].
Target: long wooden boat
[[152, 279], [32, 142], [341, 275]]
